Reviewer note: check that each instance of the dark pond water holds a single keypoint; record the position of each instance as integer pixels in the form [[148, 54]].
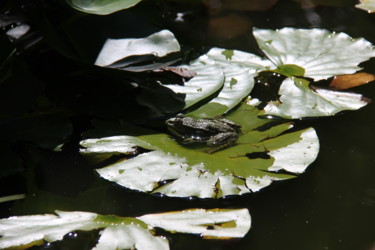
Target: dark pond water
[[331, 206]]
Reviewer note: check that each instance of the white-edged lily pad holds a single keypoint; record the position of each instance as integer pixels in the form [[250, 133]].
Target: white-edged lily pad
[[124, 232], [298, 100], [239, 81], [368, 5], [313, 53], [226, 223], [320, 53], [249, 165], [208, 80], [159, 44], [102, 7]]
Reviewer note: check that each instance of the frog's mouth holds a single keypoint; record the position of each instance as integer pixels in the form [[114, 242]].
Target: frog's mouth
[[175, 132]]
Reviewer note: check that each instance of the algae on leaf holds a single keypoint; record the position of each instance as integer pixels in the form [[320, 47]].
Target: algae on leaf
[[124, 232], [249, 165]]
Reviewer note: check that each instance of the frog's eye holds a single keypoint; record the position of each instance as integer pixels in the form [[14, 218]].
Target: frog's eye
[[170, 122]]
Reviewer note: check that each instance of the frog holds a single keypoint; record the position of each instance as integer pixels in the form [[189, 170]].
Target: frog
[[216, 133]]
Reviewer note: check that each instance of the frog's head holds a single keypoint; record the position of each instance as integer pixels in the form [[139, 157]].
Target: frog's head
[[176, 126]]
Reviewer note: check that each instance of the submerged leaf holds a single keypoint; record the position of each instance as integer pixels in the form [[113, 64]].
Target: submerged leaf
[[123, 232], [251, 164], [158, 44], [102, 7], [298, 100]]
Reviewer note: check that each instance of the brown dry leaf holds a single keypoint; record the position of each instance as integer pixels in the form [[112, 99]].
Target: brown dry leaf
[[350, 81], [183, 72]]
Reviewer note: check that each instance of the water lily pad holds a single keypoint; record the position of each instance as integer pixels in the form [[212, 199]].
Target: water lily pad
[[298, 100], [102, 7], [251, 164], [313, 53], [237, 86], [239, 69], [368, 5], [124, 232], [320, 53], [208, 80], [158, 44], [249, 61]]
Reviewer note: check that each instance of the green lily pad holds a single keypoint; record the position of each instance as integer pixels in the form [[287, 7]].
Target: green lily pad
[[124, 232], [313, 53], [174, 170], [321, 53], [298, 100], [102, 7]]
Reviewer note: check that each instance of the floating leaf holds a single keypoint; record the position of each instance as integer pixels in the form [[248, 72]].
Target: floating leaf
[[208, 80], [102, 7], [251, 164], [321, 53], [237, 86], [239, 70], [158, 44], [251, 62], [213, 223], [129, 237], [351, 81], [368, 5], [298, 100], [124, 232], [313, 53]]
